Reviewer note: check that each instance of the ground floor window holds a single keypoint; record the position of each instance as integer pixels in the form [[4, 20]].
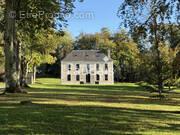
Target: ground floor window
[[97, 77], [106, 77], [69, 77], [106, 66], [77, 77]]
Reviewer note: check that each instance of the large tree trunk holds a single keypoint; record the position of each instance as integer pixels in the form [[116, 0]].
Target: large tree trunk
[[18, 62], [11, 49], [34, 73], [24, 72], [158, 64]]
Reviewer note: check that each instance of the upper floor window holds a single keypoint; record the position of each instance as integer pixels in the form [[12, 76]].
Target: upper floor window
[[106, 66], [106, 77], [77, 77], [69, 77], [97, 67], [88, 67], [77, 67], [69, 67]]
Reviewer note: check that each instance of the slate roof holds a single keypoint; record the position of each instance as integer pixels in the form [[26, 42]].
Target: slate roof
[[86, 55]]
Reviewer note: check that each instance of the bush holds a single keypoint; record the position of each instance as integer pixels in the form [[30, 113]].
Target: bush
[[146, 86], [177, 83]]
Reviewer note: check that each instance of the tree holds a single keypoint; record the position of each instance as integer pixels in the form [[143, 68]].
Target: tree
[[37, 50], [13, 22], [106, 33], [11, 48], [85, 41], [125, 56], [151, 16], [173, 38], [173, 34], [168, 56], [1, 48], [65, 46], [1, 56], [1, 14], [101, 41], [177, 63], [138, 35]]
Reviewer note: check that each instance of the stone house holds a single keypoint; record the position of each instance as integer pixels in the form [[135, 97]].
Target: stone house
[[87, 67]]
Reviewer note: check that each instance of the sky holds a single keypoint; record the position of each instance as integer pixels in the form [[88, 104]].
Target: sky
[[103, 13]]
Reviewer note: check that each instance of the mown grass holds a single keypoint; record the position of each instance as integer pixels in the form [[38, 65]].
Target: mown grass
[[120, 109], [2, 85]]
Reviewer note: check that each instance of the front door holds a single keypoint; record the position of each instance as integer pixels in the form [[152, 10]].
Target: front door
[[88, 78]]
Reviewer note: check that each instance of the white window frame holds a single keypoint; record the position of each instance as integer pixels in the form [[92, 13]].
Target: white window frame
[[77, 69], [69, 67]]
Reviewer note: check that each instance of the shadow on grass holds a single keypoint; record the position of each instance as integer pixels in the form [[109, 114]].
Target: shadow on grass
[[84, 120], [100, 87], [87, 119], [104, 96]]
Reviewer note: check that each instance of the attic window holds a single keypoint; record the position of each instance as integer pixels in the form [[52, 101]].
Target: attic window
[[97, 55], [75, 55]]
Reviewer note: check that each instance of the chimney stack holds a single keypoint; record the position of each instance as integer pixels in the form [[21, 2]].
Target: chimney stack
[[109, 53]]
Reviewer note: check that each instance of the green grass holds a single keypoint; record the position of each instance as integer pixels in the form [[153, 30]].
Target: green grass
[[121, 109], [2, 85]]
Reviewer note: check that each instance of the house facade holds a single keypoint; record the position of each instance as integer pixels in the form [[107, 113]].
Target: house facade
[[87, 67]]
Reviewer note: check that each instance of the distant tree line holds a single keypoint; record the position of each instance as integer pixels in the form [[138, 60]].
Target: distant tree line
[[134, 57]]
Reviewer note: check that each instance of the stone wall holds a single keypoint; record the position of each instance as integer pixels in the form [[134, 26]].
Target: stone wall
[[83, 72]]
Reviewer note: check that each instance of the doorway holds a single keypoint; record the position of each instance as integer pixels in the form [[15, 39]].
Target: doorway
[[88, 78]]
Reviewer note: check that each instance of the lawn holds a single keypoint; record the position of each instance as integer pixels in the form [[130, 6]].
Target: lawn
[[121, 109], [2, 85]]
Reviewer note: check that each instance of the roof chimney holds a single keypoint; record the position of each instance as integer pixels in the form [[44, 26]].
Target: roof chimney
[[109, 53]]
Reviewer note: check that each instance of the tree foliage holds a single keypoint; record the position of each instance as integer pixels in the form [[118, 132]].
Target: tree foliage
[[125, 56], [150, 17], [1, 52], [29, 26], [64, 47]]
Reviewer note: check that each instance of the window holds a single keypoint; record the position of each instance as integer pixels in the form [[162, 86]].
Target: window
[[106, 77], [106, 66], [77, 67], [86, 55], [88, 67], [77, 77], [69, 67], [97, 77], [97, 67], [69, 77]]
